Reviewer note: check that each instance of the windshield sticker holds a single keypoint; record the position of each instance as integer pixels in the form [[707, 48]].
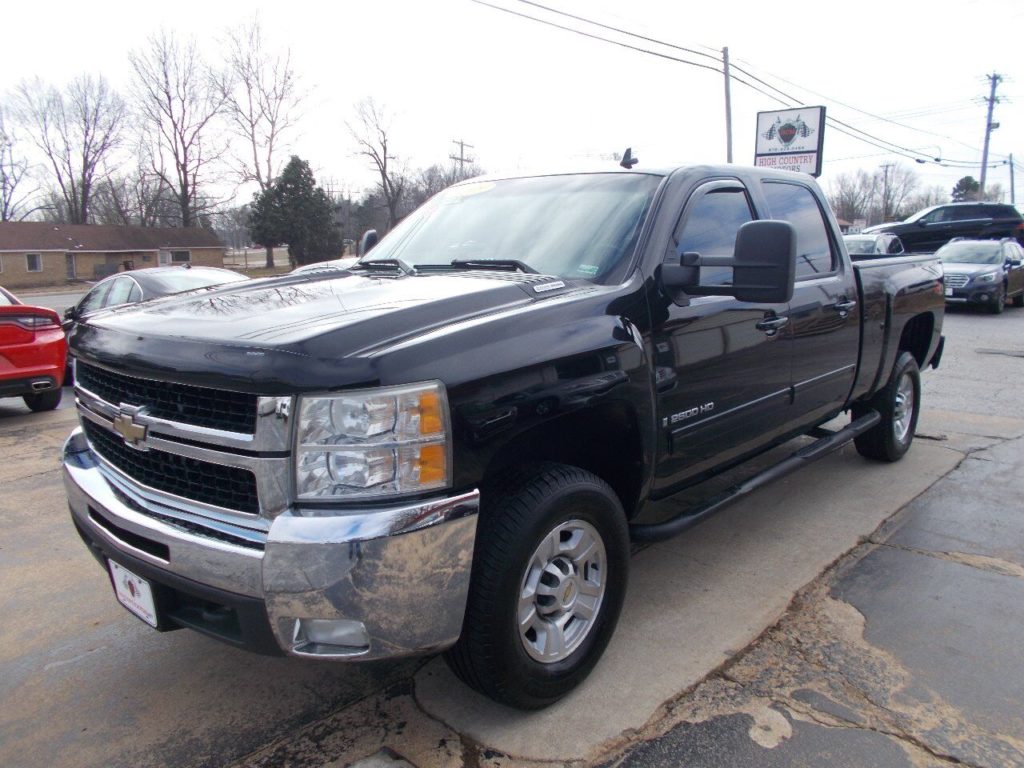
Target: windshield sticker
[[590, 270]]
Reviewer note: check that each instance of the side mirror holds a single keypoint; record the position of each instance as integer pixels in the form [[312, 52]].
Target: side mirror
[[71, 312], [763, 267], [367, 242]]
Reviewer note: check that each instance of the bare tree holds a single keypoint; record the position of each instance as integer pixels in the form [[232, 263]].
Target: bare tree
[[893, 185], [926, 198], [14, 196], [138, 198], [178, 104], [371, 133], [994, 193], [77, 130], [850, 195], [261, 97]]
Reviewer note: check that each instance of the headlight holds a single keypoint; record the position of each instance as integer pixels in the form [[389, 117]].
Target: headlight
[[373, 442], [988, 277]]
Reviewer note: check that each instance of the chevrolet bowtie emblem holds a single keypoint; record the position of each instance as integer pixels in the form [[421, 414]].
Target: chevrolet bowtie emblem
[[133, 434]]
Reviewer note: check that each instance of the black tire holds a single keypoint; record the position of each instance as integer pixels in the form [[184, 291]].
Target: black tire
[[999, 302], [43, 401], [1018, 300], [891, 437], [531, 507]]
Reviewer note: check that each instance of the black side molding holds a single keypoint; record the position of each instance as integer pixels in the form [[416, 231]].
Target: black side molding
[[824, 445]]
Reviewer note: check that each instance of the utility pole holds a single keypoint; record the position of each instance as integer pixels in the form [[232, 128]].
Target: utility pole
[[1013, 193], [885, 191], [728, 106], [994, 80], [461, 158]]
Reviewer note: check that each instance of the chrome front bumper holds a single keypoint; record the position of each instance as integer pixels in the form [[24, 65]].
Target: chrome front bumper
[[402, 571]]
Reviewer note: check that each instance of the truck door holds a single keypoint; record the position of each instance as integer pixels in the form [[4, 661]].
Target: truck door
[[721, 372], [823, 332]]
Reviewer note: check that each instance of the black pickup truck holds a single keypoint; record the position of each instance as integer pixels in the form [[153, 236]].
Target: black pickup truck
[[450, 444]]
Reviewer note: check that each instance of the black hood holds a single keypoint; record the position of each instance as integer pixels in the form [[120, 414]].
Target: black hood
[[265, 331]]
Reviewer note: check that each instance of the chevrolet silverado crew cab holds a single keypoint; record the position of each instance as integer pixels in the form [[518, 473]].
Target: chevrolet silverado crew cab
[[449, 445]]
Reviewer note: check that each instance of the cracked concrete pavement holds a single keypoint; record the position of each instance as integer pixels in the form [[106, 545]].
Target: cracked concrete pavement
[[808, 625]]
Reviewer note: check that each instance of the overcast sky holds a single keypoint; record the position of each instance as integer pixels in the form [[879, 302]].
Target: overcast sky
[[528, 95]]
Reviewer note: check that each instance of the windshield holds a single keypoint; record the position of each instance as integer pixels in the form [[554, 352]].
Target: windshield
[[970, 253], [581, 226], [189, 279], [860, 245]]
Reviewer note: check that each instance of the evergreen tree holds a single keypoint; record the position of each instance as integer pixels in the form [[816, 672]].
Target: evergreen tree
[[294, 210], [966, 189]]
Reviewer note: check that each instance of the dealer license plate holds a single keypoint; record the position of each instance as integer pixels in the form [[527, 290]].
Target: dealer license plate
[[133, 592], [949, 291]]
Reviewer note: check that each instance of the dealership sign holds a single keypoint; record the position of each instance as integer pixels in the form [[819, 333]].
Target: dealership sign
[[790, 139]]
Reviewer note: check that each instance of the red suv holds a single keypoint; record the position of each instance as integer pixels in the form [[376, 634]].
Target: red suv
[[32, 353]]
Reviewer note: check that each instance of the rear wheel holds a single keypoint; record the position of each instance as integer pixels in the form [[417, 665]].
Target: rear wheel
[[899, 403], [43, 401], [549, 577]]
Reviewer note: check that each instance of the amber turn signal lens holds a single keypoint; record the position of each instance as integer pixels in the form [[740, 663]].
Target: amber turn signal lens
[[431, 422], [433, 459]]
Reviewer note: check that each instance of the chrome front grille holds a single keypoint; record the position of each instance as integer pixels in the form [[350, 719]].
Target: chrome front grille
[[180, 447], [955, 280], [183, 403], [182, 476]]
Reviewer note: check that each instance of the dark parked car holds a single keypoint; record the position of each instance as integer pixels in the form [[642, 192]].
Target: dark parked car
[[873, 246], [930, 229], [984, 272], [141, 284], [32, 353]]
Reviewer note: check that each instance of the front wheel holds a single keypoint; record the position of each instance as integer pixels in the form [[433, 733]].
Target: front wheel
[[549, 578], [998, 302], [899, 404]]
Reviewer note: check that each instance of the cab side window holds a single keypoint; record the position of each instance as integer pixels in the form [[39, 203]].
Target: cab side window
[[709, 228], [796, 204]]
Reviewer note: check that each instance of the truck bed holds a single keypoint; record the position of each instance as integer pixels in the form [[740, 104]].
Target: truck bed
[[895, 291]]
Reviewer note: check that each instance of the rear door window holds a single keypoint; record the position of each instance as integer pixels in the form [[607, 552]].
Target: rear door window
[[796, 204], [968, 212], [94, 299], [119, 293]]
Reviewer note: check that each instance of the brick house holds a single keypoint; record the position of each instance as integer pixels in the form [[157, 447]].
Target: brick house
[[37, 253]]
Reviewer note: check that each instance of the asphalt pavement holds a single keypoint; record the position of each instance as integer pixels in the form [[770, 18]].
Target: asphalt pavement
[[854, 614]]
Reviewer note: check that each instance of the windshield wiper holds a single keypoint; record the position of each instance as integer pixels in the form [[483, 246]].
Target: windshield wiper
[[396, 265], [505, 265]]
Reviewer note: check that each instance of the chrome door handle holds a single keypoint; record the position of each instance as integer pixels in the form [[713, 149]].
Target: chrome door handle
[[843, 307], [771, 325]]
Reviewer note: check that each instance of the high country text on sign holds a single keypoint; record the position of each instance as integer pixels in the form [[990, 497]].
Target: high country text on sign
[[790, 139]]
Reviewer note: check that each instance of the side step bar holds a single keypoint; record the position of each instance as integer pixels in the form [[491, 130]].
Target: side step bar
[[826, 443]]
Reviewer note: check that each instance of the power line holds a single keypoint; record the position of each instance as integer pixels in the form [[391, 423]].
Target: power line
[[714, 56], [597, 37], [863, 111], [865, 137]]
